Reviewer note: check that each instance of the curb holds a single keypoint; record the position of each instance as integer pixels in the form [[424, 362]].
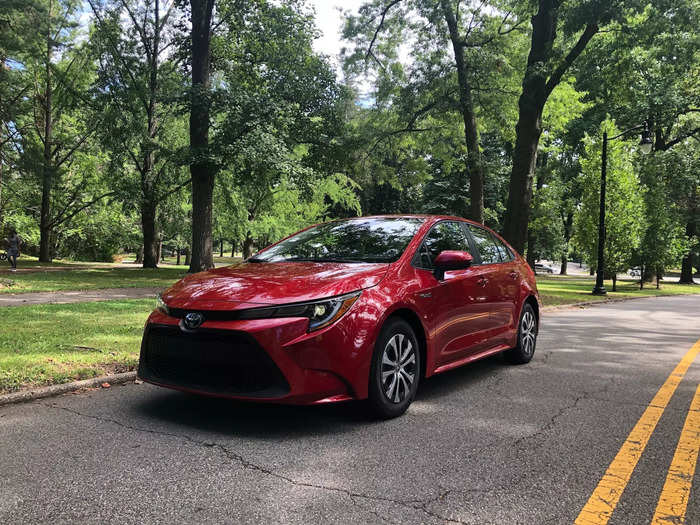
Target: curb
[[55, 390]]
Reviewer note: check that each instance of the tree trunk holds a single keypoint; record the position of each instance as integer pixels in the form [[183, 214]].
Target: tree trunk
[[568, 229], [188, 255], [474, 163], [178, 255], [47, 168], [591, 270], [233, 249], [659, 276], [690, 231], [247, 246], [2, 65], [150, 236], [614, 281], [202, 171], [221, 247], [540, 78], [687, 270], [139, 255], [641, 277], [530, 256]]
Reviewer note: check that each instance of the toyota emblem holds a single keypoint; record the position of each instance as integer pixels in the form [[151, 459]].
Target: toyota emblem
[[192, 321]]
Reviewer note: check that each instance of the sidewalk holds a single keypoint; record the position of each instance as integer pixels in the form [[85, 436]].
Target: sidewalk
[[76, 296]]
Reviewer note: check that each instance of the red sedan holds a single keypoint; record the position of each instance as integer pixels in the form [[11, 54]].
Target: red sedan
[[361, 308]]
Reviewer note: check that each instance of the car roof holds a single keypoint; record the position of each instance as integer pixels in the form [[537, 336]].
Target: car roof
[[425, 216]]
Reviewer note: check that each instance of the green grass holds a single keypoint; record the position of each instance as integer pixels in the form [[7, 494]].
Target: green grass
[[560, 290], [90, 279], [50, 344]]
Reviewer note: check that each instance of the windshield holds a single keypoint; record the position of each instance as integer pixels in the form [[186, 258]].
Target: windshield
[[353, 240]]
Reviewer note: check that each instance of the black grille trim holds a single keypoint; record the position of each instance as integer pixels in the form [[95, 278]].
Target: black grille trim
[[225, 362], [209, 315]]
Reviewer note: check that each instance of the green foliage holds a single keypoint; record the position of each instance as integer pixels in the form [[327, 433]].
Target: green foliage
[[664, 242], [624, 212], [292, 144]]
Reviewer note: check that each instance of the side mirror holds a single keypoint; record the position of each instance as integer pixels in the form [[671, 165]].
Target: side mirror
[[451, 260]]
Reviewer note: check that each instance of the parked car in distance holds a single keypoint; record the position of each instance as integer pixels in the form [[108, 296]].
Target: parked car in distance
[[543, 268], [353, 309], [635, 272]]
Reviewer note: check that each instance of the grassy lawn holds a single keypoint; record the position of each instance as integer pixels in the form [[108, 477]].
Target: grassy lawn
[[90, 279], [74, 275], [558, 290], [51, 344]]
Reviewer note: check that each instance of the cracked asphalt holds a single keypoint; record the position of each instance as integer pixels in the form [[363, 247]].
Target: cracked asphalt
[[487, 443]]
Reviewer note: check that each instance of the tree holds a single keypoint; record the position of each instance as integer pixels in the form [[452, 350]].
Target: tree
[[549, 59], [663, 242], [269, 80], [455, 47], [624, 212], [135, 92], [202, 170], [646, 66], [60, 72]]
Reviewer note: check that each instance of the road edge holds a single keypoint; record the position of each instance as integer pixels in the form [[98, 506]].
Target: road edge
[[64, 388]]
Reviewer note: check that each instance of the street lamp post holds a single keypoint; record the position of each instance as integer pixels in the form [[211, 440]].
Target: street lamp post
[[646, 146]]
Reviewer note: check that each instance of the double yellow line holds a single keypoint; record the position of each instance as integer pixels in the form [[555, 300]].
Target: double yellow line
[[674, 496]]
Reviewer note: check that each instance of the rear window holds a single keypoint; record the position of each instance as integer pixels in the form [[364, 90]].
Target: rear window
[[486, 244]]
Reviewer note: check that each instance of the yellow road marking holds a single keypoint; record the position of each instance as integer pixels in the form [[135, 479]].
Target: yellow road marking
[[674, 496], [605, 497]]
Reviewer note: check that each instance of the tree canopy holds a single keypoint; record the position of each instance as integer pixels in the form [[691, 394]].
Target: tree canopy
[[127, 125]]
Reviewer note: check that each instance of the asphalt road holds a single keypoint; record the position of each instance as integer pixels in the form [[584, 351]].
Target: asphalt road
[[488, 443]]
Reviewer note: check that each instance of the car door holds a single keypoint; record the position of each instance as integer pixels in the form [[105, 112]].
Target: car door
[[492, 275], [507, 290], [456, 306]]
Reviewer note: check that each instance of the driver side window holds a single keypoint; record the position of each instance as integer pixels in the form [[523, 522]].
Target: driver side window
[[446, 235]]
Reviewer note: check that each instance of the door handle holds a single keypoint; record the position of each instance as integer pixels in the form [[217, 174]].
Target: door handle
[[483, 281], [514, 275]]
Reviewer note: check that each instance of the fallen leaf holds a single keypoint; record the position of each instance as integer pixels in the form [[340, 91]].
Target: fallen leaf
[[137, 381], [105, 385]]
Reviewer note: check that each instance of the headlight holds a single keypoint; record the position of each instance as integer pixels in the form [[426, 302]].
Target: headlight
[[161, 306], [320, 313]]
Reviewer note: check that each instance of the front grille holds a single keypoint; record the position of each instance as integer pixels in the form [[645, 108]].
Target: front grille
[[215, 361]]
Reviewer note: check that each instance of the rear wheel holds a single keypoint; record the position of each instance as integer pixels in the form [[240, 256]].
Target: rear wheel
[[527, 337], [395, 370]]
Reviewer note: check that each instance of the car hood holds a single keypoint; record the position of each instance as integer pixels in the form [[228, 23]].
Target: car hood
[[253, 284]]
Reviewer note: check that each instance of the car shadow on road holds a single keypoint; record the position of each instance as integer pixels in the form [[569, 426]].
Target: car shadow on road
[[262, 420]]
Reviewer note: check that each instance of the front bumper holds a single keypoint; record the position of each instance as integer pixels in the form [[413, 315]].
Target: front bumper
[[271, 360]]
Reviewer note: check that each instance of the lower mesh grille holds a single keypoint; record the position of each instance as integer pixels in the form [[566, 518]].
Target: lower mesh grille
[[216, 361]]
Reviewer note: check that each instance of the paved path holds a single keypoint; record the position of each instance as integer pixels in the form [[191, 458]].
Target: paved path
[[76, 296], [487, 443]]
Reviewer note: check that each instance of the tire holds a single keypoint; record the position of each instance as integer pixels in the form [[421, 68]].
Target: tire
[[528, 326], [390, 393]]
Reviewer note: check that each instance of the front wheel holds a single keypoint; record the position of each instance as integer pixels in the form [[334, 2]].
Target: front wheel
[[395, 370], [527, 337]]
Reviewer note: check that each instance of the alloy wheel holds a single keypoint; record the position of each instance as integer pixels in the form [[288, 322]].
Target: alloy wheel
[[528, 332], [398, 370]]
